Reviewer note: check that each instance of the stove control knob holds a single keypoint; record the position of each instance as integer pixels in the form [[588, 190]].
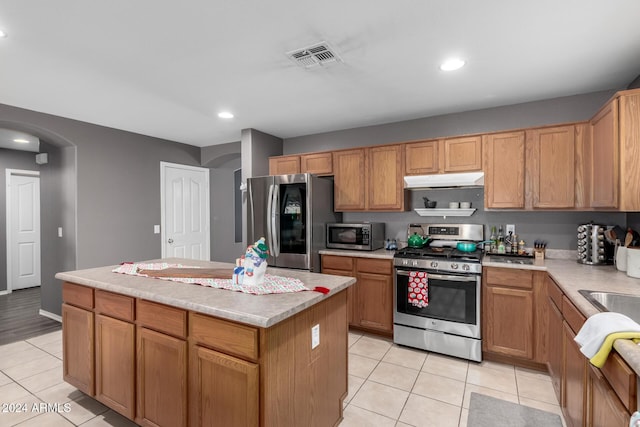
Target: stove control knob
[[414, 263], [405, 262], [434, 264], [454, 266], [466, 267]]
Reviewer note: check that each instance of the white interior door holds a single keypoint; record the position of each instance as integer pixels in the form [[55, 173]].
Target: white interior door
[[23, 229], [185, 211]]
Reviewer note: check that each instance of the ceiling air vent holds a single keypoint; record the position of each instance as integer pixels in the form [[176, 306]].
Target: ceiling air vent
[[314, 55]]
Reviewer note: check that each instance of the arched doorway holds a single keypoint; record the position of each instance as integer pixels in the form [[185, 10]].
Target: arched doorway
[[58, 208]]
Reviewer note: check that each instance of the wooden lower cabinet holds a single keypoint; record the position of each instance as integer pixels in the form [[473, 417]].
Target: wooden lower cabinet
[[375, 301], [604, 407], [574, 380], [515, 315], [161, 379], [224, 390], [509, 321], [115, 348], [556, 353], [78, 348], [370, 300], [186, 368]]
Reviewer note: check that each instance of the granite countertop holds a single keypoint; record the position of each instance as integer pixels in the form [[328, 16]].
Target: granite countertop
[[255, 310], [572, 276]]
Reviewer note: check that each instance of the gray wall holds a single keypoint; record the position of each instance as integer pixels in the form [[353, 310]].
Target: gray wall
[[58, 207], [558, 228], [256, 148], [223, 245], [10, 159], [539, 113], [118, 184]]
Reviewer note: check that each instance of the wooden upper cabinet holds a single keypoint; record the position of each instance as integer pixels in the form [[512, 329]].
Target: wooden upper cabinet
[[551, 166], [582, 165], [630, 151], [605, 161], [317, 163], [462, 154], [386, 171], [503, 161], [350, 180], [421, 158], [284, 165]]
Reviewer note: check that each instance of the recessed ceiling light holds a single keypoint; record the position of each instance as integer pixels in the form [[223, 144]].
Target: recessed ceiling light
[[2, 34], [452, 64], [225, 115], [21, 141]]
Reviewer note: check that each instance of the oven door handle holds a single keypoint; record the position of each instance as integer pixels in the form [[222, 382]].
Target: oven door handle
[[442, 276]]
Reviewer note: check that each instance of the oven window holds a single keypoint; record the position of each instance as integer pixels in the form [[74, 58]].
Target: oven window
[[448, 299]]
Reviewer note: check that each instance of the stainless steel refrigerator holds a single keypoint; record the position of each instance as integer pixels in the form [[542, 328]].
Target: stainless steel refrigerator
[[291, 211]]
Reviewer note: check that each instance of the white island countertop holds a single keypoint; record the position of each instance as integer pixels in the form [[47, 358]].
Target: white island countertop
[[255, 310]]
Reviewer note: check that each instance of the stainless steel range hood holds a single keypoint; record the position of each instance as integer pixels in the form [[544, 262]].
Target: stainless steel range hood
[[467, 179]]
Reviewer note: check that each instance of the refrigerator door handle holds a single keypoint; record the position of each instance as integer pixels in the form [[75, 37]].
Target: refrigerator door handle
[[269, 220], [275, 226], [252, 208]]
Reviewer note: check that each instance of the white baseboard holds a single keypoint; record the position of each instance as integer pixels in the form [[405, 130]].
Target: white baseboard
[[5, 292], [50, 315]]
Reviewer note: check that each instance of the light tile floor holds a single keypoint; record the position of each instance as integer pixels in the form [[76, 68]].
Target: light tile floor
[[32, 393], [389, 385]]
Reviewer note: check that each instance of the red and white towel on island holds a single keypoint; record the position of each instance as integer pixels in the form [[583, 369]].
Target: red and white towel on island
[[418, 290], [272, 284]]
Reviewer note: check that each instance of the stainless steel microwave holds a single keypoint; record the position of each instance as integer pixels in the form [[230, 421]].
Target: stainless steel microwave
[[367, 236]]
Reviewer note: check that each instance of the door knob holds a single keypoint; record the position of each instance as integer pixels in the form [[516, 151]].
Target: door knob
[[170, 241]]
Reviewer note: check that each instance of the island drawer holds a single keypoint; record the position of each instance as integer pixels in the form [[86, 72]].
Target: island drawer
[[77, 295], [227, 337], [115, 305], [162, 318]]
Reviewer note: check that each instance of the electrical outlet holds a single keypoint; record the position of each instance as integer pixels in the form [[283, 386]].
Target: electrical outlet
[[59, 231], [511, 228], [315, 336], [156, 229]]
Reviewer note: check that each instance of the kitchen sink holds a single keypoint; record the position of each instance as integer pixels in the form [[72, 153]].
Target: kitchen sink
[[629, 305], [511, 260]]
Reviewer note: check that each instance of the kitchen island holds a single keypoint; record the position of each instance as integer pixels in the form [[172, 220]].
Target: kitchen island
[[175, 354]]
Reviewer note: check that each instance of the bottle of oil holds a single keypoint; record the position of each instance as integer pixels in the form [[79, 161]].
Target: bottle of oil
[[501, 247], [493, 246]]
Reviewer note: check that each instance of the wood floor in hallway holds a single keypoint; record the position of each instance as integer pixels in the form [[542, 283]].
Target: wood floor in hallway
[[19, 317]]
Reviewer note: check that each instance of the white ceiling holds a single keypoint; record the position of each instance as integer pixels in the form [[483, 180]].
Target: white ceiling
[[166, 68]]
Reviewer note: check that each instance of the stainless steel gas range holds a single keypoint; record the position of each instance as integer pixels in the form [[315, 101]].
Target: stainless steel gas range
[[450, 322]]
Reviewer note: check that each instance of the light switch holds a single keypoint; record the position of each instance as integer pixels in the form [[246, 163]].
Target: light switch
[[59, 231], [156, 229], [315, 336]]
